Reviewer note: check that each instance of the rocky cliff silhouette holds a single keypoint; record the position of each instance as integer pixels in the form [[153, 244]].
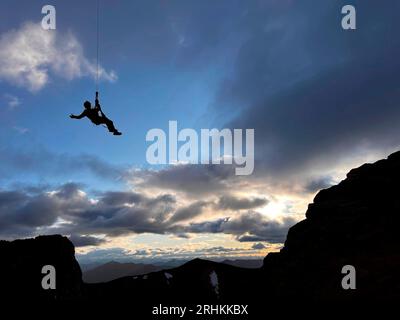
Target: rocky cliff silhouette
[[21, 269], [353, 223]]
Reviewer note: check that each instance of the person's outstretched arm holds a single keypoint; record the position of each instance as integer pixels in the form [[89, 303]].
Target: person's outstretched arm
[[72, 116]]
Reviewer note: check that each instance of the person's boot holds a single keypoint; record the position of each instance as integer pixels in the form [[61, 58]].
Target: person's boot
[[117, 133]]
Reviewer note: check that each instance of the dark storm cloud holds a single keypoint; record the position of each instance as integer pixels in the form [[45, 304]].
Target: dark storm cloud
[[258, 246], [319, 184], [84, 241], [220, 249], [250, 238], [114, 198], [21, 213], [312, 90], [193, 180], [214, 226], [254, 224], [188, 212], [251, 226], [113, 213], [224, 203], [68, 191], [233, 203], [45, 163], [158, 207], [121, 213], [39, 211]]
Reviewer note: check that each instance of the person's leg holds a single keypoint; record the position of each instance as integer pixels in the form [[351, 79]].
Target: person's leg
[[109, 124]]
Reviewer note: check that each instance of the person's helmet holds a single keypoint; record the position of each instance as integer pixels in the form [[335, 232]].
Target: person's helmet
[[87, 104]]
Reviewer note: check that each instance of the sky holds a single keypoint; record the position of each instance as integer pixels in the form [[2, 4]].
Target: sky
[[321, 100]]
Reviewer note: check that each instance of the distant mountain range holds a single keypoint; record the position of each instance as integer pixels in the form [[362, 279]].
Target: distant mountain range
[[353, 223], [114, 270], [245, 263]]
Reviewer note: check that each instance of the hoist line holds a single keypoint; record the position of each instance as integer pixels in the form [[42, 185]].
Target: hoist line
[[97, 45]]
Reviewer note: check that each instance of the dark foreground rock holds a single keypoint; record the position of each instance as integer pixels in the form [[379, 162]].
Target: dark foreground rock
[[353, 223], [21, 269]]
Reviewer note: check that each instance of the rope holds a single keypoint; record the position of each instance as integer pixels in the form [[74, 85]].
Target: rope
[[97, 46]]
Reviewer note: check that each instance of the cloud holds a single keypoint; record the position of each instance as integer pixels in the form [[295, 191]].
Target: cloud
[[20, 130], [247, 227], [30, 54], [319, 183], [188, 212], [12, 101], [258, 246], [84, 241], [69, 210], [115, 198], [44, 163], [233, 203], [193, 180], [21, 213], [260, 228], [312, 91]]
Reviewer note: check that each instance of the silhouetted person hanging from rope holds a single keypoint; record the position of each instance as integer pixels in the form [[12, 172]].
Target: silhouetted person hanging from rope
[[93, 115]]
